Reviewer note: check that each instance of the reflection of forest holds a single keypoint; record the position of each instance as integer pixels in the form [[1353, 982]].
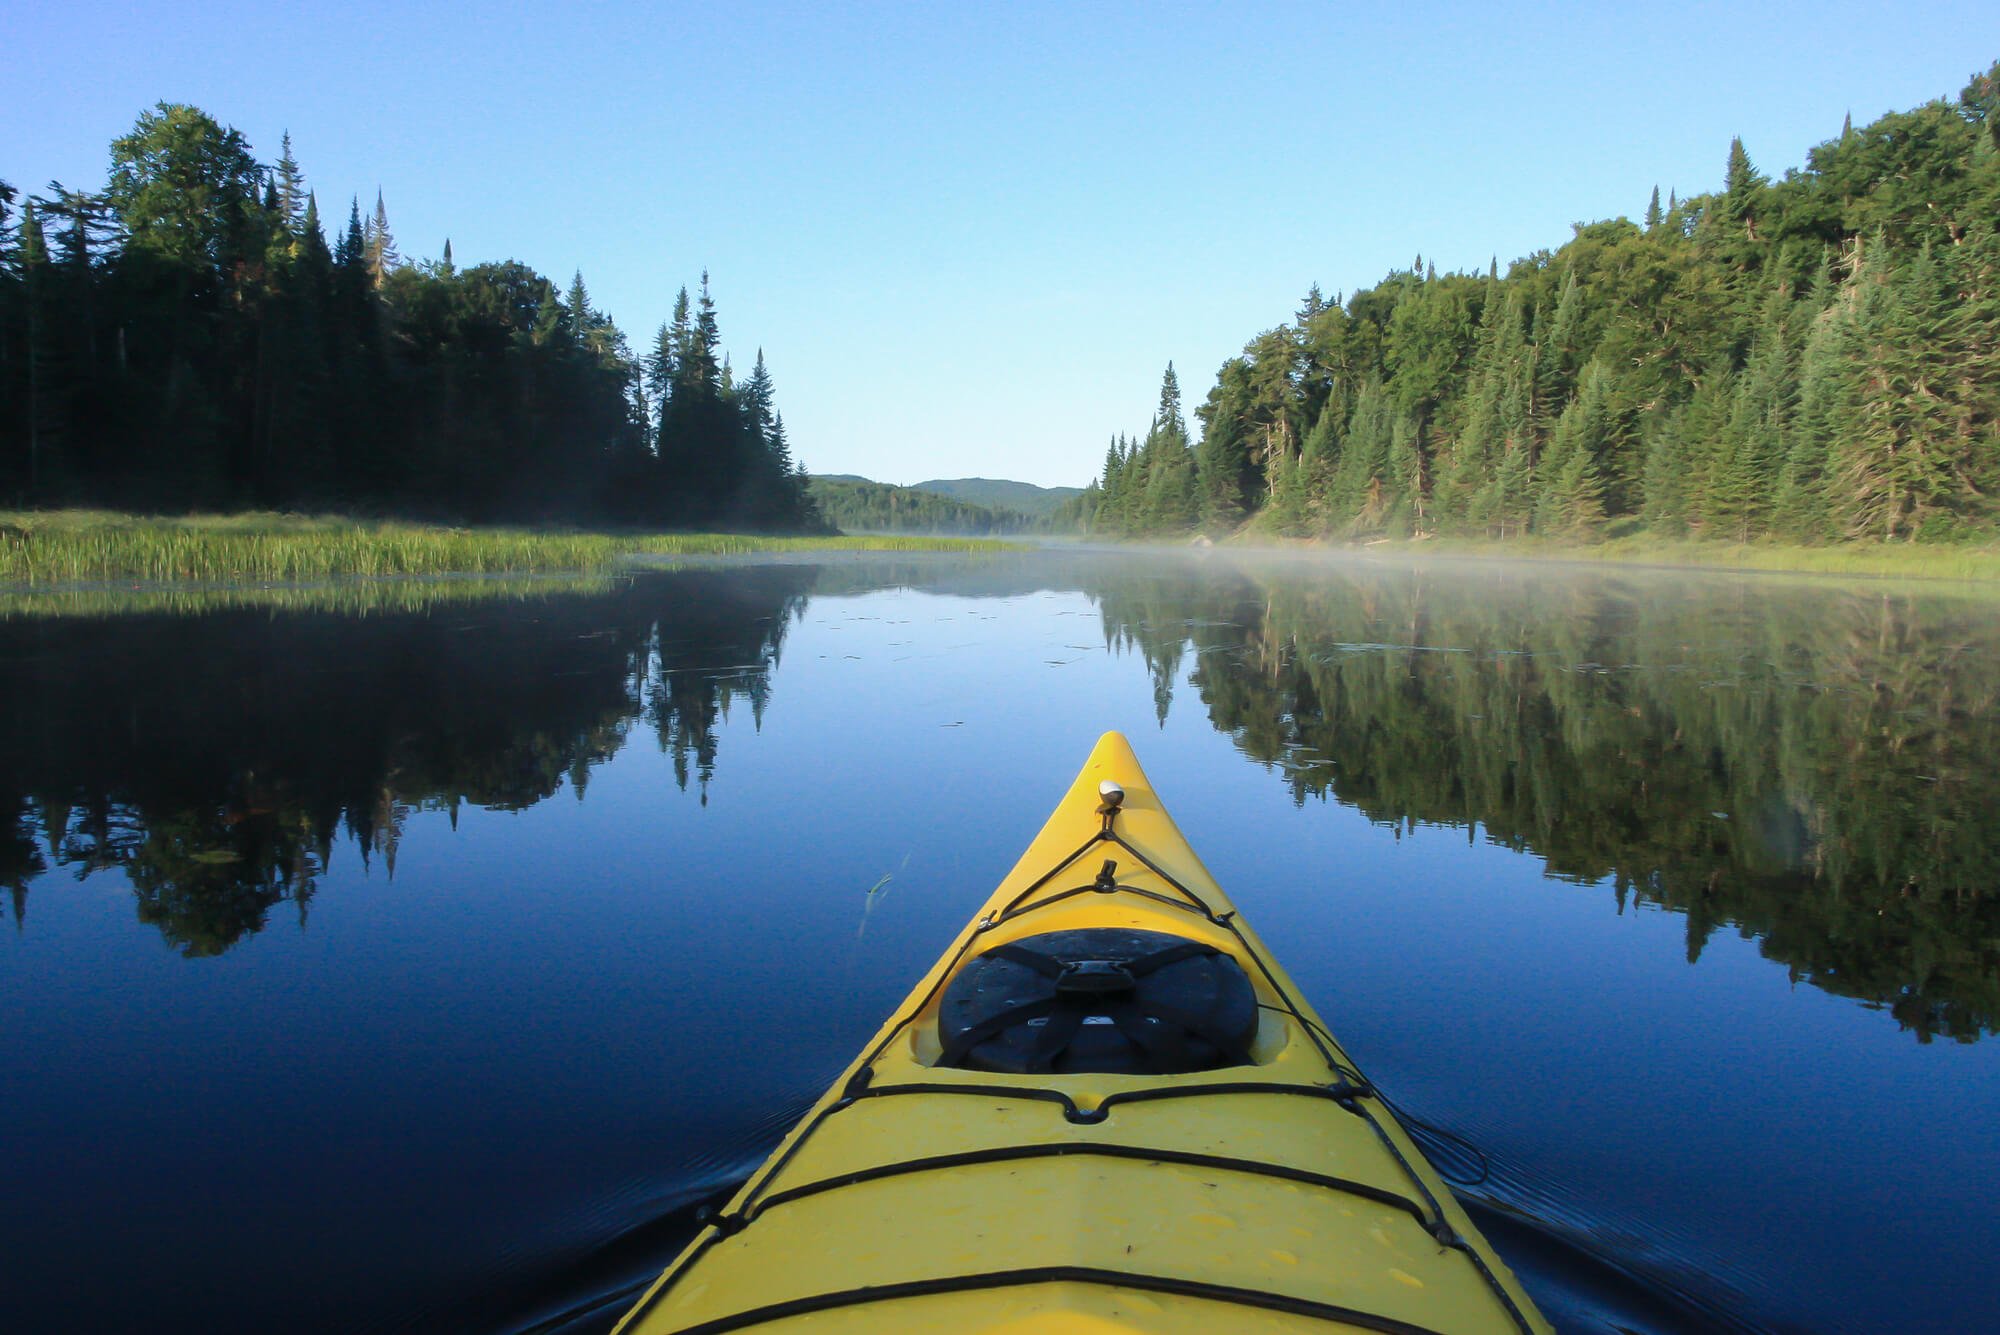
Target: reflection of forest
[[216, 758], [1808, 764], [1812, 765]]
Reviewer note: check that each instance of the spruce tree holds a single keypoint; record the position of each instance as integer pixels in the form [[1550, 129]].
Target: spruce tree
[[351, 251], [553, 326], [1571, 503], [380, 244], [1224, 455], [586, 325], [1173, 496], [706, 345], [1409, 476], [291, 183], [1559, 353], [310, 229], [1752, 444], [1320, 455], [34, 262], [1653, 214], [1354, 489], [1742, 189]]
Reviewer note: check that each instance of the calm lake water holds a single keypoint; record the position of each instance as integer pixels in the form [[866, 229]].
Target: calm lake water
[[421, 961]]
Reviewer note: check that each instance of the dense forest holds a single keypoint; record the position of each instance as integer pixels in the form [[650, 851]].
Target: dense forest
[[1814, 358], [856, 505], [186, 337]]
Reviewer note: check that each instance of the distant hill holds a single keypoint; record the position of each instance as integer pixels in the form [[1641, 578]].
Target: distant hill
[[999, 494], [857, 505]]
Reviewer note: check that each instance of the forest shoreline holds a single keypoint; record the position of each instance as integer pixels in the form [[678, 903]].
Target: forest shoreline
[[39, 548]]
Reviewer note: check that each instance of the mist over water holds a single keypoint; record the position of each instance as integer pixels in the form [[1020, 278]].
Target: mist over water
[[423, 965]]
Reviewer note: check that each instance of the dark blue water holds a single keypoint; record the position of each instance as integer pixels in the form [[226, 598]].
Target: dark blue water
[[423, 966]]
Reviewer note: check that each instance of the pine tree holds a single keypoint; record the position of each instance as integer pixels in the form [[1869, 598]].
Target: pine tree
[[291, 183], [702, 365], [1559, 353], [1572, 491], [1653, 214], [662, 366], [1320, 456], [1743, 187], [586, 325], [1678, 451], [1354, 489], [1826, 409], [1752, 445], [1289, 509], [34, 262], [379, 247], [1224, 455], [1506, 503], [1476, 444], [553, 326], [1169, 417], [1917, 453], [1409, 476], [310, 229], [352, 250], [1173, 496]]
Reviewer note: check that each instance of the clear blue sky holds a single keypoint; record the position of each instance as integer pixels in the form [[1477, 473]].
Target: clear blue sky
[[969, 237]]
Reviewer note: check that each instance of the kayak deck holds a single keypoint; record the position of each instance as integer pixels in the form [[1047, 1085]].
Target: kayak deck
[[1277, 1194]]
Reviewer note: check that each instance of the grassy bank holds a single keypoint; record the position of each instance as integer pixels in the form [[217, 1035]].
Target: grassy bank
[[1898, 561], [84, 546], [347, 597], [1882, 560]]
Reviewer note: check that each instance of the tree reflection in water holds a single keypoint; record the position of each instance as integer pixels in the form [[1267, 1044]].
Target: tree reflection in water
[[216, 758], [1810, 765]]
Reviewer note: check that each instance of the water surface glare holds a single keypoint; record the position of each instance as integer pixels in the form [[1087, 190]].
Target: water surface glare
[[421, 964]]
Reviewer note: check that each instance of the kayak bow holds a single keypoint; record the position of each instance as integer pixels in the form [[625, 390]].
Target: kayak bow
[[1105, 1109]]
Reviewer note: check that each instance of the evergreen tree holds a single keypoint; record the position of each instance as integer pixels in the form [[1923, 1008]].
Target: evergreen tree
[[35, 278], [1653, 214], [1752, 445], [379, 245], [351, 251], [291, 189], [1572, 494], [1826, 409], [1409, 474], [1173, 495], [1354, 493], [1223, 457], [1743, 187], [1677, 454]]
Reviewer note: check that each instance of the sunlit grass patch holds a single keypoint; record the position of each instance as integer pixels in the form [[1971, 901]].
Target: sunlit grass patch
[[344, 596], [85, 546], [1882, 560]]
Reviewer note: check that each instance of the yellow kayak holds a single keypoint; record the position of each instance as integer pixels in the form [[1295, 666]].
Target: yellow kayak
[[1105, 1109]]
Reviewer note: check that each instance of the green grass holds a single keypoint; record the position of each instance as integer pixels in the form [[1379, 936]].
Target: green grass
[[347, 597], [1955, 561], [1900, 561], [86, 546]]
